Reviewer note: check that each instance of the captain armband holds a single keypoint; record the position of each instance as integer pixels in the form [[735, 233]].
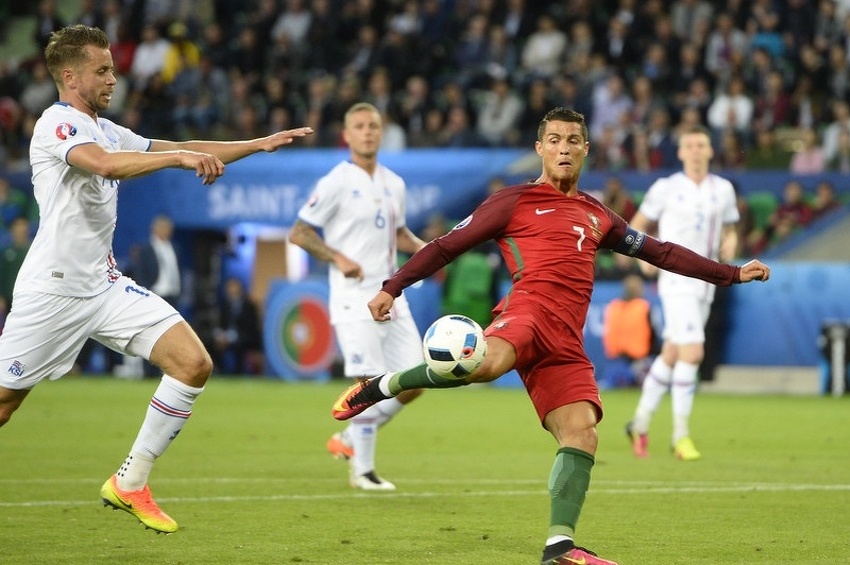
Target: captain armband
[[631, 243]]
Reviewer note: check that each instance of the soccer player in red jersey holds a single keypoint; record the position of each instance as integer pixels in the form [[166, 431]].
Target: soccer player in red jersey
[[548, 232]]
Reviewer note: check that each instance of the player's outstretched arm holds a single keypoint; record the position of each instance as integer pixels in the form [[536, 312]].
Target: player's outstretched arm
[[380, 306], [754, 270], [118, 165], [229, 151]]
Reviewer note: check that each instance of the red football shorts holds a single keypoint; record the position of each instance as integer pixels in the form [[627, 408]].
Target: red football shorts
[[550, 356]]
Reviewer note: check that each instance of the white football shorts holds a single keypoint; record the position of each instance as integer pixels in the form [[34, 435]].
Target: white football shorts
[[45, 332], [372, 348], [684, 318]]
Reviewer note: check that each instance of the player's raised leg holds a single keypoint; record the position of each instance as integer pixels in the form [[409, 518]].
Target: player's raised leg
[[187, 366]]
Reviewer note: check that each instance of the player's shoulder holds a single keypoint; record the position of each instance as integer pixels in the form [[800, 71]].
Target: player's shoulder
[[390, 174], [671, 179], [339, 173], [723, 182]]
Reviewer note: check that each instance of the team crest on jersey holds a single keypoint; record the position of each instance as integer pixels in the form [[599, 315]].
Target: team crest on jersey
[[595, 225], [65, 130], [17, 368]]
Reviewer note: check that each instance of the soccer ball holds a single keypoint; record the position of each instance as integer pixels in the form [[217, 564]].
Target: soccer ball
[[454, 346]]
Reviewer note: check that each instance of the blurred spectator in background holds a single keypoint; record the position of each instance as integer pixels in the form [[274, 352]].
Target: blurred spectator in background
[[89, 14], [413, 104], [773, 105], [697, 96], [432, 130], [580, 45], [123, 49], [662, 145], [158, 268], [11, 258], [499, 114], [792, 214], [628, 338], [458, 131], [182, 54], [617, 197], [394, 137], [149, 57], [645, 101], [825, 200], [611, 102], [689, 16], [238, 340], [501, 58], [840, 124], [379, 90], [808, 157], [838, 72], [840, 161], [544, 49], [537, 100], [686, 68], [14, 203], [731, 110], [472, 51], [726, 44], [748, 231], [40, 91], [730, 153], [47, 21], [766, 153]]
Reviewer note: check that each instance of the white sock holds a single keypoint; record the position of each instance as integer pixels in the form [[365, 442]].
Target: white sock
[[556, 539], [682, 396], [363, 432], [133, 473], [654, 388], [384, 384], [387, 409], [169, 408]]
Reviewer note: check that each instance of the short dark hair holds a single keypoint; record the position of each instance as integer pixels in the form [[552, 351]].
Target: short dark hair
[[66, 47], [561, 114]]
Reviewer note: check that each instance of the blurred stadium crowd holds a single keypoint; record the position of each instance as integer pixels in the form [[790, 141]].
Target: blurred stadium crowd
[[771, 78]]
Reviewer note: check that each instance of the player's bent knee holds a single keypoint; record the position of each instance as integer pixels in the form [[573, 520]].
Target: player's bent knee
[[192, 368]]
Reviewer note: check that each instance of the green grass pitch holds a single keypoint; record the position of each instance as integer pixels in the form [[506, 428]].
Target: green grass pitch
[[249, 481]]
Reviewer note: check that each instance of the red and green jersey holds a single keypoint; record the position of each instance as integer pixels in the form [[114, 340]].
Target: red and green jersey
[[549, 242]]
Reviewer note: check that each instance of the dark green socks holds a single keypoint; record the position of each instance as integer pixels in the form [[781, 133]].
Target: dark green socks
[[420, 377], [568, 484]]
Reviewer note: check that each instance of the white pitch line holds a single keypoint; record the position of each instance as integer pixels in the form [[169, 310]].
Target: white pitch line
[[644, 489]]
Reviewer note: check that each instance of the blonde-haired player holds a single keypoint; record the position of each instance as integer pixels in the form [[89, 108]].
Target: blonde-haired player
[[69, 289], [360, 208]]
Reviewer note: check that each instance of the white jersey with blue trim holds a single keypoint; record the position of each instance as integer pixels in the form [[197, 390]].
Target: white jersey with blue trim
[[71, 254], [359, 216], [692, 215]]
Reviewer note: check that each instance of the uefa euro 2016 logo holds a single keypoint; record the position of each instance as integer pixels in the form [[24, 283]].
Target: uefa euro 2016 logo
[[65, 130]]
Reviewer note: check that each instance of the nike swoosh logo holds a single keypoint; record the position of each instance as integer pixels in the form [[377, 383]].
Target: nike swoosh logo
[[540, 212], [582, 561]]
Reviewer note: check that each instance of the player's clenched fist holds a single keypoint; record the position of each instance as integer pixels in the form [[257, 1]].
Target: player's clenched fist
[[754, 270]]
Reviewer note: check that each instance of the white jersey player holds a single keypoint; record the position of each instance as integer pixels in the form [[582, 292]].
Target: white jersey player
[[697, 209], [69, 290], [360, 208]]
